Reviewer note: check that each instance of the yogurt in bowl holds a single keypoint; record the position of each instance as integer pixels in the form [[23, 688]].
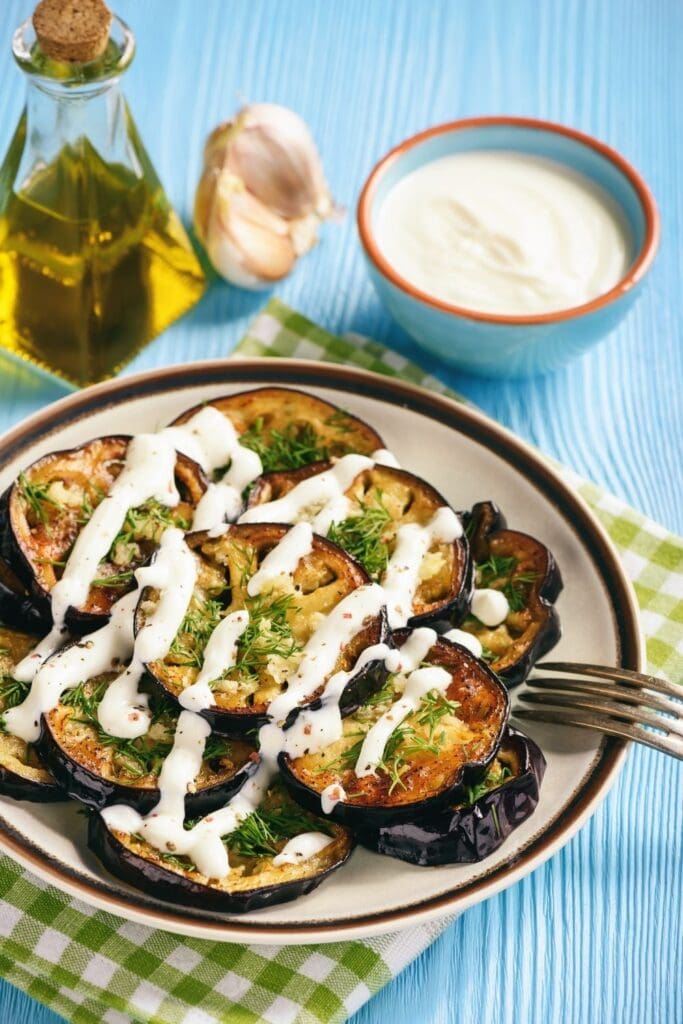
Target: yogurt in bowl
[[504, 245]]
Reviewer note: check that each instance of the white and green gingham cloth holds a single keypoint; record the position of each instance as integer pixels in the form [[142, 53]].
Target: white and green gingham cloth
[[94, 967]]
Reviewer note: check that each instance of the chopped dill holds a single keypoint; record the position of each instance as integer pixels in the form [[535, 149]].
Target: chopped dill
[[269, 633], [191, 639], [405, 739], [495, 567], [117, 579], [361, 536], [136, 758], [12, 693], [495, 777], [36, 497], [146, 522], [262, 832], [515, 590], [296, 446]]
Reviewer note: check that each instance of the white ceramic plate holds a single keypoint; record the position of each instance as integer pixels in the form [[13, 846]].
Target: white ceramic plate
[[468, 458]]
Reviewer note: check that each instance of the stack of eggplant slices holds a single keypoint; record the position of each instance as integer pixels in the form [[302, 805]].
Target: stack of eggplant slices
[[251, 640]]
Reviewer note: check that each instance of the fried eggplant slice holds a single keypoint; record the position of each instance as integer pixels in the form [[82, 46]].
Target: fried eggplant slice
[[281, 621], [526, 572], [45, 509], [289, 429], [476, 826], [254, 881], [429, 758], [99, 769], [380, 500], [23, 775]]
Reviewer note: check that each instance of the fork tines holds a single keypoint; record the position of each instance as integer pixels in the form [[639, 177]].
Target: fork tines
[[631, 705]]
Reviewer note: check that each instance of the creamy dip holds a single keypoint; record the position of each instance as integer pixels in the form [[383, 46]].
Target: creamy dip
[[504, 233]]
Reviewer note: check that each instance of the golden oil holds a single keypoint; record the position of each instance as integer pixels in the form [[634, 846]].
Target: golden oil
[[94, 261]]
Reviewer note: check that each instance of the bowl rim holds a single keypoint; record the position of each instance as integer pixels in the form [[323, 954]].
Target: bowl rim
[[633, 276]]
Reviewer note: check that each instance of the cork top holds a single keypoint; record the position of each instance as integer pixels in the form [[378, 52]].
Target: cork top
[[72, 30]]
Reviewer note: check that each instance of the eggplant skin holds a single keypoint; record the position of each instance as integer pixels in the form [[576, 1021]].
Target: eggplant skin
[[96, 791], [327, 430], [31, 544], [33, 789], [327, 571], [409, 499], [429, 785], [489, 534], [23, 776], [122, 858], [468, 834], [17, 607]]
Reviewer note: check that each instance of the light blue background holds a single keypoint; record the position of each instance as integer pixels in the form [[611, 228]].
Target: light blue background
[[595, 936]]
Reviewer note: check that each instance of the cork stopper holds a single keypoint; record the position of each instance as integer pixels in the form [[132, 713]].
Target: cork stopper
[[72, 30]]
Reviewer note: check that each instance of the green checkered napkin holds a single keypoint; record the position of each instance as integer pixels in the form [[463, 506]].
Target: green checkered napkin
[[93, 967]]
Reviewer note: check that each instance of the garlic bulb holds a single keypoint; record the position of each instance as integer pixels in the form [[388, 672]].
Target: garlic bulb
[[261, 196]]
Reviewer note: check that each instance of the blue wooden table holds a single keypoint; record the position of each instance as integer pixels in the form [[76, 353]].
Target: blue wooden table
[[596, 935]]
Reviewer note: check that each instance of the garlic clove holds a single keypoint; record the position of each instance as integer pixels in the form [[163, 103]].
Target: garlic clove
[[246, 242], [272, 150], [261, 197]]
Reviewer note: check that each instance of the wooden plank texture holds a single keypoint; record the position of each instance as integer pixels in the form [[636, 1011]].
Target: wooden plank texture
[[595, 935]]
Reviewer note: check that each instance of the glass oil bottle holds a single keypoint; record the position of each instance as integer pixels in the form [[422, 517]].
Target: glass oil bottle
[[94, 261]]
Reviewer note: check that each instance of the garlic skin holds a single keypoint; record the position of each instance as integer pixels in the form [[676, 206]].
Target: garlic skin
[[261, 197]]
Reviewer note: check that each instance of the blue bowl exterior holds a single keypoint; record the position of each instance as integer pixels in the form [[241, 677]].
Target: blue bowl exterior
[[499, 349]]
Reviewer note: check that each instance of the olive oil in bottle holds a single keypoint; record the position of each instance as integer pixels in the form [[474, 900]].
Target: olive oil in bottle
[[94, 262]]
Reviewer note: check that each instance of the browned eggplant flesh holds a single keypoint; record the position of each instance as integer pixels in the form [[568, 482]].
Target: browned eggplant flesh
[[46, 508], [380, 500], [281, 621], [23, 775], [254, 880], [480, 822], [431, 754], [525, 571], [99, 769], [289, 429]]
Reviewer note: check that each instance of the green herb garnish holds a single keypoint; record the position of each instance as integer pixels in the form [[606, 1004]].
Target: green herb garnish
[[495, 777], [196, 628], [296, 446], [268, 634], [261, 834], [361, 536], [136, 758], [37, 496], [496, 567]]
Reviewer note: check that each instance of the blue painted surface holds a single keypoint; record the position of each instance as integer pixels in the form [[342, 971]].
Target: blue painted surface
[[595, 936]]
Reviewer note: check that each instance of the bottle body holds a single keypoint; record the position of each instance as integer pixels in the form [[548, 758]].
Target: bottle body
[[94, 261]]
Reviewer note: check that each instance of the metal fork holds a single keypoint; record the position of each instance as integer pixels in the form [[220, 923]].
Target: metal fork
[[630, 705]]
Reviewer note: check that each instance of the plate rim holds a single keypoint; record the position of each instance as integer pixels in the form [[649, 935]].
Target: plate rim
[[544, 477]]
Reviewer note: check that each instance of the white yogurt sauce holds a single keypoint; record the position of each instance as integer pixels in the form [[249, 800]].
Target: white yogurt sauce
[[504, 233]]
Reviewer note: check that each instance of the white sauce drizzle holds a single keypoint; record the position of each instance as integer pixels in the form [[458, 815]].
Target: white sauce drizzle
[[315, 504], [310, 498], [283, 559], [490, 606], [123, 710], [148, 472], [418, 684], [401, 577], [94, 654], [468, 640], [331, 796], [302, 847], [220, 655]]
